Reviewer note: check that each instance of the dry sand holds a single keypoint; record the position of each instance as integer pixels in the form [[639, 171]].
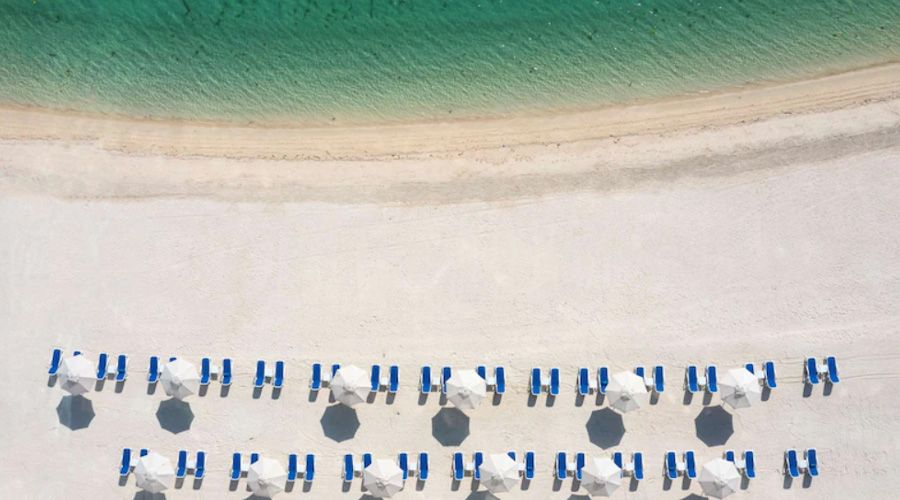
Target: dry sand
[[769, 232]]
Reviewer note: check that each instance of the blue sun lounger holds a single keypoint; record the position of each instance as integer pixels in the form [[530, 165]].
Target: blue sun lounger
[[121, 364], [260, 378], [671, 467], [831, 363], [603, 379], [561, 466], [393, 379], [403, 463], [254, 457], [659, 379], [749, 464], [617, 459], [811, 371], [637, 459], [580, 460], [425, 383], [500, 379], [102, 365], [278, 380], [477, 460], [729, 455], [690, 379], [226, 372], [446, 373], [181, 468], [690, 464], [812, 462], [334, 369], [375, 378], [481, 370], [55, 359], [125, 468], [200, 465], [235, 466], [292, 468], [459, 469], [529, 465], [554, 381], [348, 468], [205, 371], [535, 382], [712, 379], [791, 466], [639, 371], [366, 460], [309, 473], [315, 382], [583, 386], [423, 466], [750, 368], [769, 369]]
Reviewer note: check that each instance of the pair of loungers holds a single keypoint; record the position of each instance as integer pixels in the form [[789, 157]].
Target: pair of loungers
[[495, 382], [207, 370], [262, 375], [813, 373], [635, 468], [307, 469], [794, 466], [104, 368], [353, 468], [129, 460], [694, 382], [655, 382], [197, 466], [673, 467], [564, 468], [418, 468], [391, 382], [538, 383], [746, 465], [461, 468], [766, 374]]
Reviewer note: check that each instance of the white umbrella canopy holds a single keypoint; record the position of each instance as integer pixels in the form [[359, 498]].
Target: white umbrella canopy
[[499, 473], [154, 473], [180, 379], [77, 375], [383, 478], [351, 385], [719, 478], [266, 477], [601, 477], [740, 388], [627, 392], [466, 389]]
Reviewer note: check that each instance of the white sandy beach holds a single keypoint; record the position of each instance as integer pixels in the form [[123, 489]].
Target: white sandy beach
[[770, 232]]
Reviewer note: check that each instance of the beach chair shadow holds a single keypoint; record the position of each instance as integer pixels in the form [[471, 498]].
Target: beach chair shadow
[[420, 485], [526, 483], [98, 385], [371, 397], [51, 380], [307, 486], [497, 399], [688, 397], [807, 481], [233, 485], [766, 393], [198, 482], [203, 390], [532, 400], [551, 400], [312, 396], [788, 482], [807, 390], [151, 388], [633, 484], [557, 484], [276, 393], [685, 482], [745, 482], [579, 400], [123, 480], [223, 392], [389, 398], [289, 487], [257, 392], [654, 398], [576, 485], [667, 484], [827, 389], [179, 482], [600, 398], [454, 484], [707, 398], [120, 386], [423, 398]]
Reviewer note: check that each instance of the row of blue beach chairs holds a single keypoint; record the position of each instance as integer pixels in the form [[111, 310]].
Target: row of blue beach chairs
[[105, 369], [461, 467], [563, 467], [655, 381], [418, 468], [185, 464], [814, 373], [296, 468], [794, 466], [391, 382]]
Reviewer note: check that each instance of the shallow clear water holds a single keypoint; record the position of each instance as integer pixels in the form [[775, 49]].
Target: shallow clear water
[[320, 60]]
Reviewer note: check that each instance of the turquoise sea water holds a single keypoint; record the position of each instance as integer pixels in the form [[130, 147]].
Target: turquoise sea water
[[324, 60]]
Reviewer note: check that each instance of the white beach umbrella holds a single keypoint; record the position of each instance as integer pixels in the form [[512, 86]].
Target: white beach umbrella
[[499, 473], [383, 478], [266, 477], [154, 473], [740, 388], [180, 379], [601, 477], [77, 375], [351, 385], [626, 392], [466, 389], [719, 478]]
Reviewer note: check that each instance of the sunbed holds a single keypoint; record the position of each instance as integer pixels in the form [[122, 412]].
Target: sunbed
[[366, 460], [226, 372], [375, 380], [205, 371], [102, 365], [583, 386], [769, 368], [334, 369], [181, 468], [690, 379], [511, 454], [554, 381], [278, 379], [639, 371], [811, 371], [690, 464], [637, 460], [292, 468], [446, 373], [425, 383], [260, 378], [315, 382], [750, 368], [348, 468], [603, 379], [712, 379], [458, 466], [477, 460], [55, 359], [481, 370], [579, 464], [659, 379], [121, 364], [235, 466], [309, 472], [812, 467], [831, 363], [529, 465], [143, 452], [200, 465], [126, 462], [729, 455], [500, 379], [790, 463], [535, 382], [561, 464], [617, 458], [671, 465], [423, 466], [403, 463], [749, 464]]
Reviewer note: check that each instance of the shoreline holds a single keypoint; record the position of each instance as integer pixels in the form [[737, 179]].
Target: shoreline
[[448, 137]]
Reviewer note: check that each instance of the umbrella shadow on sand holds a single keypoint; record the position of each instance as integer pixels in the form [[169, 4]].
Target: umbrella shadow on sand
[[146, 495], [605, 428], [175, 415], [714, 425], [75, 412], [450, 426], [339, 422]]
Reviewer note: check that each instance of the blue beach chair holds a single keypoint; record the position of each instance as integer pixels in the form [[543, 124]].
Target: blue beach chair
[[278, 380], [511, 454], [315, 382], [769, 368], [500, 379], [535, 382], [226, 372], [831, 363], [254, 457], [348, 468], [659, 379], [423, 466], [425, 383], [181, 468], [334, 369], [235, 466], [617, 459], [712, 379], [791, 466], [603, 379], [561, 464], [811, 371], [639, 371], [637, 459], [812, 462], [55, 359], [749, 464], [671, 465], [554, 381], [690, 379], [481, 370], [583, 385], [309, 473], [143, 452], [102, 365], [580, 460], [446, 373], [729, 455], [366, 460], [403, 463], [375, 379], [477, 460], [459, 469], [529, 465], [205, 371], [393, 379], [200, 465], [125, 468], [260, 378], [690, 464], [121, 364], [292, 468]]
